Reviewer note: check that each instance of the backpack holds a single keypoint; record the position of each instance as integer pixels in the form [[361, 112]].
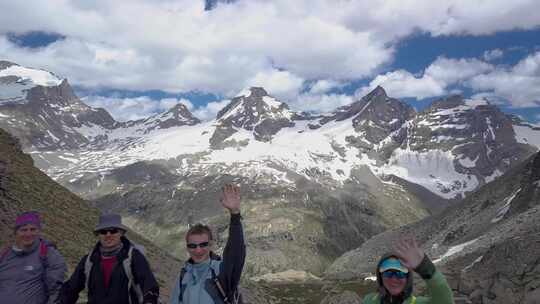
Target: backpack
[[43, 250], [236, 296], [126, 264]]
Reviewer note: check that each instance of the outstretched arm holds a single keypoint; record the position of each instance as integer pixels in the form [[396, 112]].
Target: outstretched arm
[[414, 258], [234, 254], [69, 293]]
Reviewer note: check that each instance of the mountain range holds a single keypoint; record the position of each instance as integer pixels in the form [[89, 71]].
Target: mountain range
[[314, 185]]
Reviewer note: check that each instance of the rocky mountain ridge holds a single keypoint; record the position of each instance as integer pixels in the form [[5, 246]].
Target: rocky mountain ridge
[[315, 185]]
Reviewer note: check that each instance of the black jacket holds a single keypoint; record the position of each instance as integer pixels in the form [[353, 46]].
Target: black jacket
[[117, 292]]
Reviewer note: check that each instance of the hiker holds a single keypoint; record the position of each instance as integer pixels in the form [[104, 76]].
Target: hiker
[[31, 269], [114, 272], [395, 278], [206, 278]]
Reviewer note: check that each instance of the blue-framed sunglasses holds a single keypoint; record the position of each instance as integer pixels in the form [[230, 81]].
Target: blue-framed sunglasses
[[393, 273]]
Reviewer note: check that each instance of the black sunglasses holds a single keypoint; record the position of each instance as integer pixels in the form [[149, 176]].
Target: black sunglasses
[[111, 231], [193, 245]]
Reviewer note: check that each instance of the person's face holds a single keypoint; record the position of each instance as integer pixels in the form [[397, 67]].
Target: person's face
[[394, 281], [26, 235], [198, 246], [110, 237]]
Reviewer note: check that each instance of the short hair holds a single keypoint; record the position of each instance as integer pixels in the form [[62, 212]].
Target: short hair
[[199, 229]]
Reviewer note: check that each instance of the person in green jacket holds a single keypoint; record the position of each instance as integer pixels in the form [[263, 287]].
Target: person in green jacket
[[395, 279]]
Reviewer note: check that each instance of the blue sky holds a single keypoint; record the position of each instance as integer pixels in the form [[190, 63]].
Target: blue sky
[[315, 55]]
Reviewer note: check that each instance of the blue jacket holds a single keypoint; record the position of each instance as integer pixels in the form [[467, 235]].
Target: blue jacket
[[198, 287]]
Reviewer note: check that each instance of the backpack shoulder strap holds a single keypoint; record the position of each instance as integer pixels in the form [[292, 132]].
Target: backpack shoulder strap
[[180, 278], [127, 263], [4, 252], [43, 250], [222, 292], [87, 269]]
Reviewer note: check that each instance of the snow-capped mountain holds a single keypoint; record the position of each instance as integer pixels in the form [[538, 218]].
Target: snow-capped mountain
[[255, 111], [351, 173], [43, 111], [450, 148]]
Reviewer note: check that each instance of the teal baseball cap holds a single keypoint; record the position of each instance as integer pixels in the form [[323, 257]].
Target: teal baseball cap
[[392, 264]]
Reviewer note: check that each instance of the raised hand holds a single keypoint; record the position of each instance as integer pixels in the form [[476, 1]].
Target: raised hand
[[230, 198], [408, 251]]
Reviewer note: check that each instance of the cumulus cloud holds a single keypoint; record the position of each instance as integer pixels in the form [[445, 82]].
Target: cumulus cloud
[[401, 84], [519, 85], [320, 102], [450, 71], [210, 110], [124, 109], [434, 81], [282, 84], [325, 85], [493, 54], [176, 46]]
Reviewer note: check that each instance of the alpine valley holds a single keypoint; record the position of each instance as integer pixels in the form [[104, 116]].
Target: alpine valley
[[314, 186]]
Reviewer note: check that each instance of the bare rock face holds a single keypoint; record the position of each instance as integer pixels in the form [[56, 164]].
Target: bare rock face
[[506, 273], [254, 111], [347, 297]]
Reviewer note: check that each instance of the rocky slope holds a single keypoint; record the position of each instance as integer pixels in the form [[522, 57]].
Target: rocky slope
[[488, 244], [68, 220]]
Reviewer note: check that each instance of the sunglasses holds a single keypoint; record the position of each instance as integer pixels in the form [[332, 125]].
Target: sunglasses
[[111, 231], [392, 273], [193, 245]]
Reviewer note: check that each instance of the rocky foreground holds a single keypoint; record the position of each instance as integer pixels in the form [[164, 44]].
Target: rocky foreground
[[487, 245]]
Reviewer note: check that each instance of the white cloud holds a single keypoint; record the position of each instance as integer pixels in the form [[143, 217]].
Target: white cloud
[[282, 84], [435, 80], [400, 84], [124, 109], [450, 71], [210, 110], [520, 84], [493, 54], [325, 85], [176, 46], [321, 102]]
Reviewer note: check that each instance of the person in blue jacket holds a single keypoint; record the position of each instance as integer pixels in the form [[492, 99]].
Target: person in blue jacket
[[207, 278]]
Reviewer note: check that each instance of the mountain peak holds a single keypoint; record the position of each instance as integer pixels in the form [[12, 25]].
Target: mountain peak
[[258, 92], [377, 92], [256, 111], [253, 91], [449, 102], [4, 64], [254, 102], [178, 115]]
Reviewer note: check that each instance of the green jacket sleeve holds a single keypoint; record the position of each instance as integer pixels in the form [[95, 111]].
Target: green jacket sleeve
[[439, 291]]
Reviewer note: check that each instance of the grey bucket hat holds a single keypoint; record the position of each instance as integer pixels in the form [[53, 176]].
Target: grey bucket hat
[[110, 221]]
